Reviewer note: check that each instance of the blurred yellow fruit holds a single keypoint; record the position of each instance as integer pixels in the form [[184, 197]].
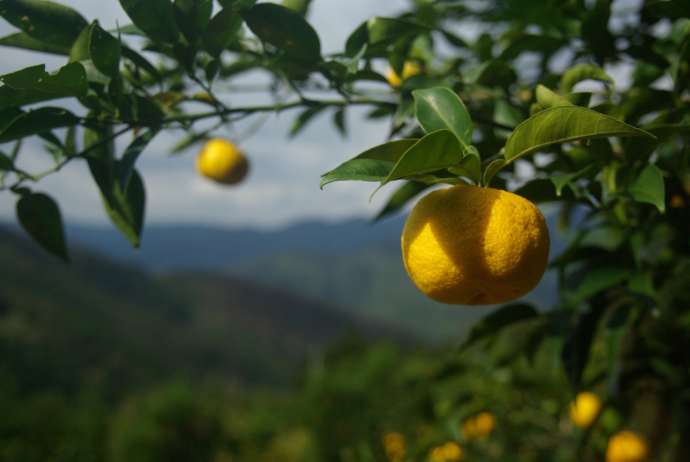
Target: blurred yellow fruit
[[394, 446], [410, 69], [475, 246], [584, 409], [221, 161], [677, 201], [479, 426], [449, 452], [627, 446]]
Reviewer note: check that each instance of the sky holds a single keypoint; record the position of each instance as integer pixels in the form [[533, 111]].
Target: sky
[[283, 185]]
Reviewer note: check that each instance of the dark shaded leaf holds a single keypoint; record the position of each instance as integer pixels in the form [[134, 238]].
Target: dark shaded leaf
[[36, 121], [34, 84], [303, 119], [155, 17], [26, 42], [131, 154], [284, 29], [400, 197], [222, 30], [193, 16], [40, 217], [502, 317]]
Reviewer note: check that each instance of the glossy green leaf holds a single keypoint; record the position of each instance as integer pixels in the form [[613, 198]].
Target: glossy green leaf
[[372, 165], [37, 121], [649, 188], [581, 72], [469, 167], [284, 29], [435, 151], [24, 41], [155, 17], [222, 30], [564, 124], [400, 198], [192, 17], [34, 84], [441, 108], [40, 217], [47, 22]]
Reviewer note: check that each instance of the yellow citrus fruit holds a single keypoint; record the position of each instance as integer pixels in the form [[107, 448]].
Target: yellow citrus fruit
[[479, 426], [475, 246], [221, 161], [584, 409], [627, 446], [410, 69], [394, 446], [449, 452]]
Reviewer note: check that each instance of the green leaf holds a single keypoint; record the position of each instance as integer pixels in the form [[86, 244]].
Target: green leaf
[[34, 84], [649, 188], [45, 21], [155, 17], [400, 197], [379, 33], [580, 72], [502, 317], [104, 50], [124, 205], [372, 165], [441, 108], [193, 16], [561, 181], [435, 151], [237, 5], [24, 41], [141, 62], [538, 191], [131, 154], [492, 169], [36, 121], [469, 167], [284, 29], [222, 30], [597, 280], [547, 98], [40, 217], [340, 122], [303, 119], [564, 124]]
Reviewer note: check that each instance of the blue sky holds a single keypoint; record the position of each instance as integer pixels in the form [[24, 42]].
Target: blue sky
[[283, 183]]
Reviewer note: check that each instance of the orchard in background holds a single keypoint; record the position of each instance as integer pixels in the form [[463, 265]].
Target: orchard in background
[[533, 88]]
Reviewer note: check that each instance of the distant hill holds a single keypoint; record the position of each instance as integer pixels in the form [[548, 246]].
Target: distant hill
[[105, 324], [352, 265]]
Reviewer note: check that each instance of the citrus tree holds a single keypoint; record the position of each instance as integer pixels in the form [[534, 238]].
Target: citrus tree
[[584, 105]]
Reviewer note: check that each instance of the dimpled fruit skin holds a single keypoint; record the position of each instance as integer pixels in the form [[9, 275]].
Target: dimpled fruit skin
[[626, 446], [468, 245], [221, 161]]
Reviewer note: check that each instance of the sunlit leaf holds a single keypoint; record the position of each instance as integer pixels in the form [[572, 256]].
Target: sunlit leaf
[[580, 72], [564, 124], [441, 108]]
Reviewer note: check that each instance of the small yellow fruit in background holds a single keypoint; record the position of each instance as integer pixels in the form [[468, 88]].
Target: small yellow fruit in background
[[449, 452], [410, 69], [221, 161], [468, 245], [584, 409], [627, 446], [394, 446], [479, 426]]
